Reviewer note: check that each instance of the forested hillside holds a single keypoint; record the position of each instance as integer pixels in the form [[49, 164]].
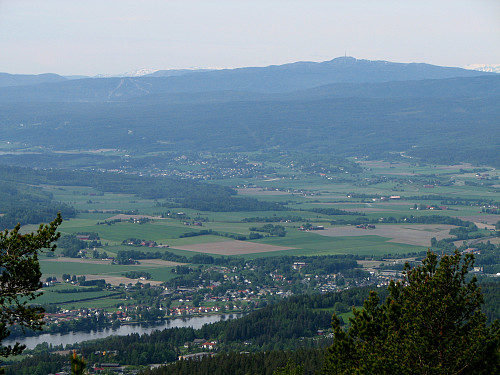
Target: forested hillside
[[20, 203], [261, 363], [18, 206], [357, 108]]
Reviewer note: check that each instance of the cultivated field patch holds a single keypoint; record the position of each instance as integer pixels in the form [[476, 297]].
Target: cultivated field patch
[[137, 217], [479, 220], [382, 164], [415, 234], [117, 280], [494, 241], [103, 269], [260, 191], [156, 262], [160, 262], [77, 260], [368, 209], [232, 248], [371, 204]]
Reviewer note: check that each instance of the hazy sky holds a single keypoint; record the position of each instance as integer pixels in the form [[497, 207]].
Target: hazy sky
[[115, 36]]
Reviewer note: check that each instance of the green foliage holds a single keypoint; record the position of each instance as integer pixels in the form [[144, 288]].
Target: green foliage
[[27, 205], [39, 364], [430, 323], [70, 245], [301, 361], [289, 369], [20, 279], [130, 256], [229, 204], [273, 230], [430, 219], [189, 193], [78, 365]]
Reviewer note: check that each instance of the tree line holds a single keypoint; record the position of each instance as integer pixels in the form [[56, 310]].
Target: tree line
[[24, 204]]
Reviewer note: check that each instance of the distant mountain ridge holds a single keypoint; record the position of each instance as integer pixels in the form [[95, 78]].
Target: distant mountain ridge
[[345, 106], [7, 79], [273, 79]]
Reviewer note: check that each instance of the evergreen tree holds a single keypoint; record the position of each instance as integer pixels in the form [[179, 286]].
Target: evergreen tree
[[78, 365], [289, 369], [20, 279], [430, 323]]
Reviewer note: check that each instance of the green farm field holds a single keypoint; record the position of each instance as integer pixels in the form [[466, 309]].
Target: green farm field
[[308, 243], [56, 267], [51, 297], [300, 195]]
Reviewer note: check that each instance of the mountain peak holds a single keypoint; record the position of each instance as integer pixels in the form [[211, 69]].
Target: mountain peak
[[490, 68], [139, 72]]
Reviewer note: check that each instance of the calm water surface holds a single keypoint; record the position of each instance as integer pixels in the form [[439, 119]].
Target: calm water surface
[[74, 337]]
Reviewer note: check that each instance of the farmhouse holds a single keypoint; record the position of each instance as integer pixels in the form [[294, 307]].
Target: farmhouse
[[298, 265], [209, 345]]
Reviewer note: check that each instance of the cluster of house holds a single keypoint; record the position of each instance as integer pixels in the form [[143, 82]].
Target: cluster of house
[[67, 315], [201, 343], [312, 227], [124, 314], [210, 172], [191, 310]]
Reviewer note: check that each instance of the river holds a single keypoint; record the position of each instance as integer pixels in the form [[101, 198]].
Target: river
[[74, 337]]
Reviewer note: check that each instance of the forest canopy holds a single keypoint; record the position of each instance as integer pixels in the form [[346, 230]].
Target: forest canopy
[[430, 323]]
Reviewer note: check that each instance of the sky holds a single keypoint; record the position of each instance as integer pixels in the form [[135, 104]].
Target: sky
[[89, 37]]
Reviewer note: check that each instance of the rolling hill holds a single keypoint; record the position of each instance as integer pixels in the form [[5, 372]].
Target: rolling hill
[[344, 106], [272, 79]]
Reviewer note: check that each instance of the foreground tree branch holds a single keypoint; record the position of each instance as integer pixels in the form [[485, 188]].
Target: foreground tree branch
[[430, 323], [20, 279]]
